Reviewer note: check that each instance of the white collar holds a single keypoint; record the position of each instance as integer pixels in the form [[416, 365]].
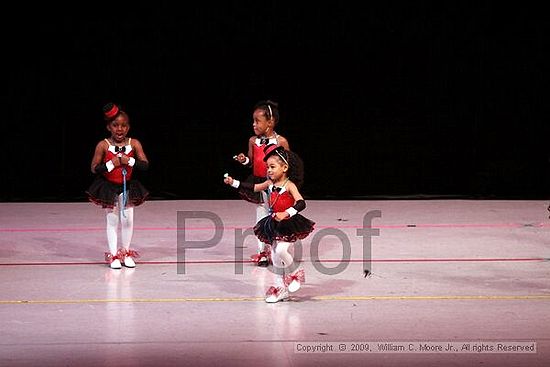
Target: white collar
[[272, 140]]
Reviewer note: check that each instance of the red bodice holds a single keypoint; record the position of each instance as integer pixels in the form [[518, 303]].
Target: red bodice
[[279, 202], [116, 176], [259, 167]]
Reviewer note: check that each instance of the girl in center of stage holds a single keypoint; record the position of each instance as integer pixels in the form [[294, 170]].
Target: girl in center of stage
[[284, 225], [265, 118]]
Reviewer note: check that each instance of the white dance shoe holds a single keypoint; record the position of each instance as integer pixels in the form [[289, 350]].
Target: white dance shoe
[[115, 264], [129, 262], [276, 294]]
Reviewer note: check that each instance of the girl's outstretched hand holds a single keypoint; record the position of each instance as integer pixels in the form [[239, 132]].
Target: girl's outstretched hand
[[227, 179], [241, 158]]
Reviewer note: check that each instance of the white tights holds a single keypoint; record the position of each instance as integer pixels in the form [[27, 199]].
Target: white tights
[[127, 226], [282, 260]]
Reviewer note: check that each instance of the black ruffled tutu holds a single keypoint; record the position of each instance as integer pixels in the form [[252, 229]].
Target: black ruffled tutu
[[249, 194], [105, 193], [292, 229]]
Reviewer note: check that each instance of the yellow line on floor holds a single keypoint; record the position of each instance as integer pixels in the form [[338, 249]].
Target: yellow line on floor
[[255, 299]]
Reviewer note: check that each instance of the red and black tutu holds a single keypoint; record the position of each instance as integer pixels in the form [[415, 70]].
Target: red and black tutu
[[105, 193], [292, 229]]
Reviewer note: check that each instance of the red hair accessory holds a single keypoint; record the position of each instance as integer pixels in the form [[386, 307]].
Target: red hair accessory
[[273, 149], [268, 150], [110, 110]]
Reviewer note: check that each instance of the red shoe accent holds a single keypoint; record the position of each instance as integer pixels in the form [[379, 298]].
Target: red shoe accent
[[129, 253], [271, 291], [276, 294], [299, 276], [256, 257], [121, 254], [265, 254], [110, 257]]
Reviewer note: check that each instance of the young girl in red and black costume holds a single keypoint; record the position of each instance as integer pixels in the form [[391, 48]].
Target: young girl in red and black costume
[[114, 188], [265, 117], [284, 225]]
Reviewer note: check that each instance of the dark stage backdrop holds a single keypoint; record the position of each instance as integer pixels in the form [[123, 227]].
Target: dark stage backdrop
[[418, 100]]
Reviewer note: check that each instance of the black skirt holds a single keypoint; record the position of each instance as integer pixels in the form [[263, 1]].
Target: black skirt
[[292, 229], [105, 193]]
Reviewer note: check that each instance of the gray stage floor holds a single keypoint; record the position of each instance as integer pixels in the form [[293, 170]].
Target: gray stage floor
[[474, 275]]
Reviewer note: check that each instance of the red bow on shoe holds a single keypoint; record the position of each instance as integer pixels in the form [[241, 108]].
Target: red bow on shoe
[[266, 253], [299, 276], [110, 257], [121, 254], [272, 291], [256, 257], [129, 253]]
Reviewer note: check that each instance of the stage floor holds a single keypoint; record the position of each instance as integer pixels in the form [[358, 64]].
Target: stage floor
[[472, 275]]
